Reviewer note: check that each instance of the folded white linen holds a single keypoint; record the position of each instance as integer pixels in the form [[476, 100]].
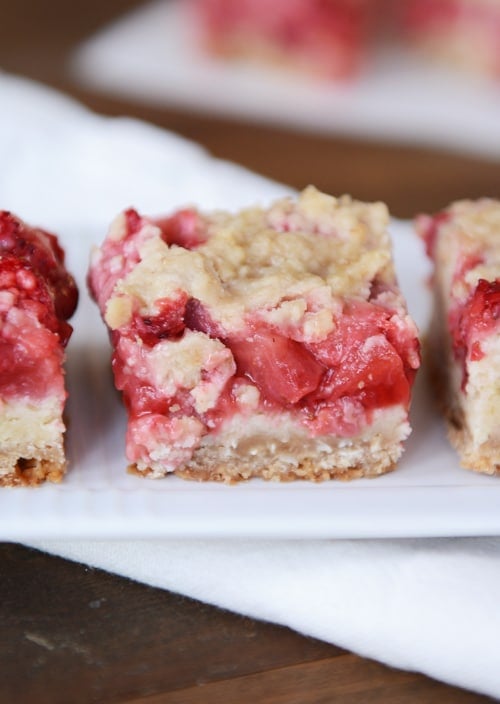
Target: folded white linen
[[427, 605]]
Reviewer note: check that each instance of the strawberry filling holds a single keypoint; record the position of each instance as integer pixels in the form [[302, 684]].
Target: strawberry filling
[[283, 370], [425, 15], [473, 321], [367, 363], [428, 227], [42, 252], [184, 228], [167, 323], [371, 363], [327, 35], [31, 335], [36, 296], [430, 15], [122, 246], [30, 360]]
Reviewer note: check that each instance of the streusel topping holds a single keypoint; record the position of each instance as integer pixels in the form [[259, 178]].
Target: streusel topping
[[291, 262]]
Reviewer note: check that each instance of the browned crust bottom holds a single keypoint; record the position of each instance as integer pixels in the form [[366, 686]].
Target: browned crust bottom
[[306, 470], [483, 461], [284, 453], [33, 472], [250, 47]]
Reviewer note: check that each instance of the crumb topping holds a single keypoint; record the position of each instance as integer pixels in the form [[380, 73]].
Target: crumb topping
[[468, 245], [464, 242], [290, 262]]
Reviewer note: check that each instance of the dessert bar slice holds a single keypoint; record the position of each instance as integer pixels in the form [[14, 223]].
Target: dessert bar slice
[[272, 342], [37, 295], [464, 243], [462, 33], [326, 39]]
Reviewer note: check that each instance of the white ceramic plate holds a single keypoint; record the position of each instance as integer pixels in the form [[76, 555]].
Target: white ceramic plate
[[428, 494], [71, 171], [152, 55]]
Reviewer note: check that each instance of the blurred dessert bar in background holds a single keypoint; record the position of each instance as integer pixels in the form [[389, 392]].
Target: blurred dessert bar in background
[[325, 38], [462, 33], [336, 39]]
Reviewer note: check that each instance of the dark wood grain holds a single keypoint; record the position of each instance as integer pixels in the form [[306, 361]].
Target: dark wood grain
[[64, 624], [73, 634], [345, 678]]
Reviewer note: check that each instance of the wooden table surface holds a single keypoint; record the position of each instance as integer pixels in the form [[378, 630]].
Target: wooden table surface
[[71, 634]]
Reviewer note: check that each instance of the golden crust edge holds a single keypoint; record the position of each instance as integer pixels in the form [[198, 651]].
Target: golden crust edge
[[475, 461], [307, 470], [34, 471]]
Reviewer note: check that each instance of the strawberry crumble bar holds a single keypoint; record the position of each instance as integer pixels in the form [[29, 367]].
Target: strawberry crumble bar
[[462, 33], [37, 296], [464, 243], [327, 39], [272, 342]]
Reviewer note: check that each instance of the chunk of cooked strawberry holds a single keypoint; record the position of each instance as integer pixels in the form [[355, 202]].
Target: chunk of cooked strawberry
[[184, 228], [428, 227], [197, 317], [133, 222], [283, 370], [28, 291], [479, 315], [367, 358], [168, 322], [30, 359], [372, 371], [42, 252], [31, 334]]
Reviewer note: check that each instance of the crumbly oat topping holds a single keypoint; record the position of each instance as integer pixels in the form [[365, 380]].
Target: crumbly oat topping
[[473, 232], [290, 262], [481, 217]]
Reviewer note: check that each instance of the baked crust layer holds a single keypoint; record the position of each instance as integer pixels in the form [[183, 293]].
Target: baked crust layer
[[277, 449], [307, 470], [213, 465], [48, 465]]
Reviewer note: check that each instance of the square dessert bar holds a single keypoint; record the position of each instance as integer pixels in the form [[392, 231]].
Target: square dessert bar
[[326, 39], [37, 296], [464, 244], [272, 342], [462, 33]]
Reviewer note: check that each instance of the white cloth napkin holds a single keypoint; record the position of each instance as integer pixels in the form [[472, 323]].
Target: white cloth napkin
[[427, 605]]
